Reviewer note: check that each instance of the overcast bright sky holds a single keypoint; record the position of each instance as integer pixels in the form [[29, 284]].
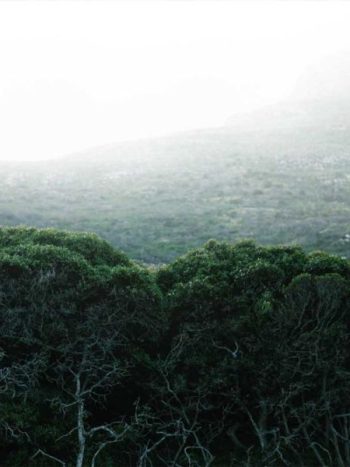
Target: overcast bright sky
[[77, 74]]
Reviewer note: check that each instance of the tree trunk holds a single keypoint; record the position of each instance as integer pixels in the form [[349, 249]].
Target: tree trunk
[[80, 426]]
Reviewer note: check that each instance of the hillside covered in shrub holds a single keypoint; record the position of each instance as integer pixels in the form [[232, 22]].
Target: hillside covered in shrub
[[155, 199], [232, 355]]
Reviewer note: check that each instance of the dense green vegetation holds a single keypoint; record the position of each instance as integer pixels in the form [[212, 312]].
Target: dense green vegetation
[[156, 199], [232, 355]]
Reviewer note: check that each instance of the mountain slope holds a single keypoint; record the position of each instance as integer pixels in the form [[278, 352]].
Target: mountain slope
[[279, 176]]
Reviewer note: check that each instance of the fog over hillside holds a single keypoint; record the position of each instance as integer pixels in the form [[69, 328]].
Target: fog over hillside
[[277, 175], [238, 131], [65, 89]]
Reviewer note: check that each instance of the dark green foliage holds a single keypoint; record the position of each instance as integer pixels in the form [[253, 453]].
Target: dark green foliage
[[59, 297], [231, 355], [265, 350], [92, 248]]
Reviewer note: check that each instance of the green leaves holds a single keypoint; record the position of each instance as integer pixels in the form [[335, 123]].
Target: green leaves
[[92, 248], [227, 348]]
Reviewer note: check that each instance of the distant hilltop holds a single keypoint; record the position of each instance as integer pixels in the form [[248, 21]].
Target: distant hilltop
[[324, 113], [321, 99]]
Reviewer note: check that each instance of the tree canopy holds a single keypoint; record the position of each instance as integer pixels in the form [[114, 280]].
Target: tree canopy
[[234, 354]]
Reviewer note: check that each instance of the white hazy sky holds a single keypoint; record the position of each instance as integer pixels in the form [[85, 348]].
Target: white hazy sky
[[77, 74]]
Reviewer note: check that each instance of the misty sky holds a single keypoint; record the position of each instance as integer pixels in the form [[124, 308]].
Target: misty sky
[[79, 74]]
